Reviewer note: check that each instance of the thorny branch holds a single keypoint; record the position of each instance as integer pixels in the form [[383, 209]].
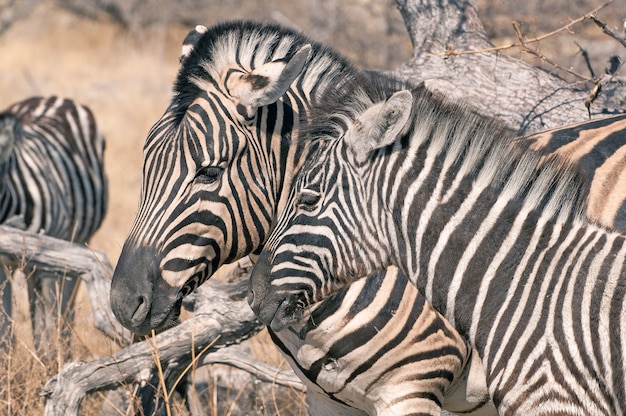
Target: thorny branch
[[523, 44], [523, 41], [607, 30]]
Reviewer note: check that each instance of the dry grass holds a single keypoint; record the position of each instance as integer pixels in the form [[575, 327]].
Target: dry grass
[[125, 79]]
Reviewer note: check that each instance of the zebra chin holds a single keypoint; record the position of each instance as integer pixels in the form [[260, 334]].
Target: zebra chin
[[276, 310], [280, 314]]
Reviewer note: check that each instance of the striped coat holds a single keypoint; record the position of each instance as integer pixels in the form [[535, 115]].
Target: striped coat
[[494, 237]]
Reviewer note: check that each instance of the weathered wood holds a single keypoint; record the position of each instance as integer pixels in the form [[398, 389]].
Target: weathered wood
[[221, 319], [526, 98], [235, 356], [20, 311], [59, 257]]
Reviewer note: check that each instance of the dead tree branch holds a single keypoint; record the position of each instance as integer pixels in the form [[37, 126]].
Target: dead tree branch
[[606, 29], [221, 318], [523, 42], [59, 257], [524, 97]]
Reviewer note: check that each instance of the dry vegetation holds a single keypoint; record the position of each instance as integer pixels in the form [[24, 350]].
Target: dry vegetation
[[124, 74]]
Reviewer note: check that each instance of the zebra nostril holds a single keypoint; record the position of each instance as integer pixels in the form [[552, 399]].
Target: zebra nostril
[[142, 309]]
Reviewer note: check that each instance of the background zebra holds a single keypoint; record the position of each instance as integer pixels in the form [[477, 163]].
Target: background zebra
[[493, 237], [217, 169], [52, 181]]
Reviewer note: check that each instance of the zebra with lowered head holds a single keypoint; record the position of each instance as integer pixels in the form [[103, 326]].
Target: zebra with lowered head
[[52, 181], [218, 166], [493, 236]]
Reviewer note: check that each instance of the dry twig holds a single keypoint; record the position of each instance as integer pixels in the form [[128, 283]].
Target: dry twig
[[523, 44], [607, 30], [523, 41]]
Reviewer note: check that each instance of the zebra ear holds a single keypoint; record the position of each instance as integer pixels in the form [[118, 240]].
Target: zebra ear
[[190, 42], [8, 125], [381, 124], [267, 83]]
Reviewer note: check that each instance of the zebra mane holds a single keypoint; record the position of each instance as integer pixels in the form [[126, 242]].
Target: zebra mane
[[478, 147], [341, 105], [247, 44]]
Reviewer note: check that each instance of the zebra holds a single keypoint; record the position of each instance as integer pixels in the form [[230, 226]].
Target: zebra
[[217, 169], [52, 181], [598, 149], [494, 237]]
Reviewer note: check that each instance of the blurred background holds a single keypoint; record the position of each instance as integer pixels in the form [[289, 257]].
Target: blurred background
[[120, 57]]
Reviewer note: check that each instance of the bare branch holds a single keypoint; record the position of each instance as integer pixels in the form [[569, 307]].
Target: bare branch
[[213, 320], [54, 256], [235, 356], [606, 29], [522, 41], [523, 45]]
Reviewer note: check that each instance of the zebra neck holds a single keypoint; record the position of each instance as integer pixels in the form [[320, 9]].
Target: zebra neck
[[494, 268], [480, 225]]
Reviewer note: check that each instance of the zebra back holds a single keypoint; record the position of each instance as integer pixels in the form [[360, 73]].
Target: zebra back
[[52, 168], [597, 148]]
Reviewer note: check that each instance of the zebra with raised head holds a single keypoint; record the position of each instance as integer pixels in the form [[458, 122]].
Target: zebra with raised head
[[218, 166], [494, 237], [52, 181]]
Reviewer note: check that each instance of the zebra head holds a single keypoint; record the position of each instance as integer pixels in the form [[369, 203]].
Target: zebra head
[[216, 164], [322, 241]]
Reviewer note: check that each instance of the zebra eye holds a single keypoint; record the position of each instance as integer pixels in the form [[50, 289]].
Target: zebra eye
[[308, 200], [209, 174]]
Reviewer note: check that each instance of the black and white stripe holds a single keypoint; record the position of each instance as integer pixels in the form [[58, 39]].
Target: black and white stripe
[[493, 236], [51, 168], [217, 170], [52, 181], [597, 148]]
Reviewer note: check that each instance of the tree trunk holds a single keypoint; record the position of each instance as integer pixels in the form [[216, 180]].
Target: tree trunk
[[526, 98]]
